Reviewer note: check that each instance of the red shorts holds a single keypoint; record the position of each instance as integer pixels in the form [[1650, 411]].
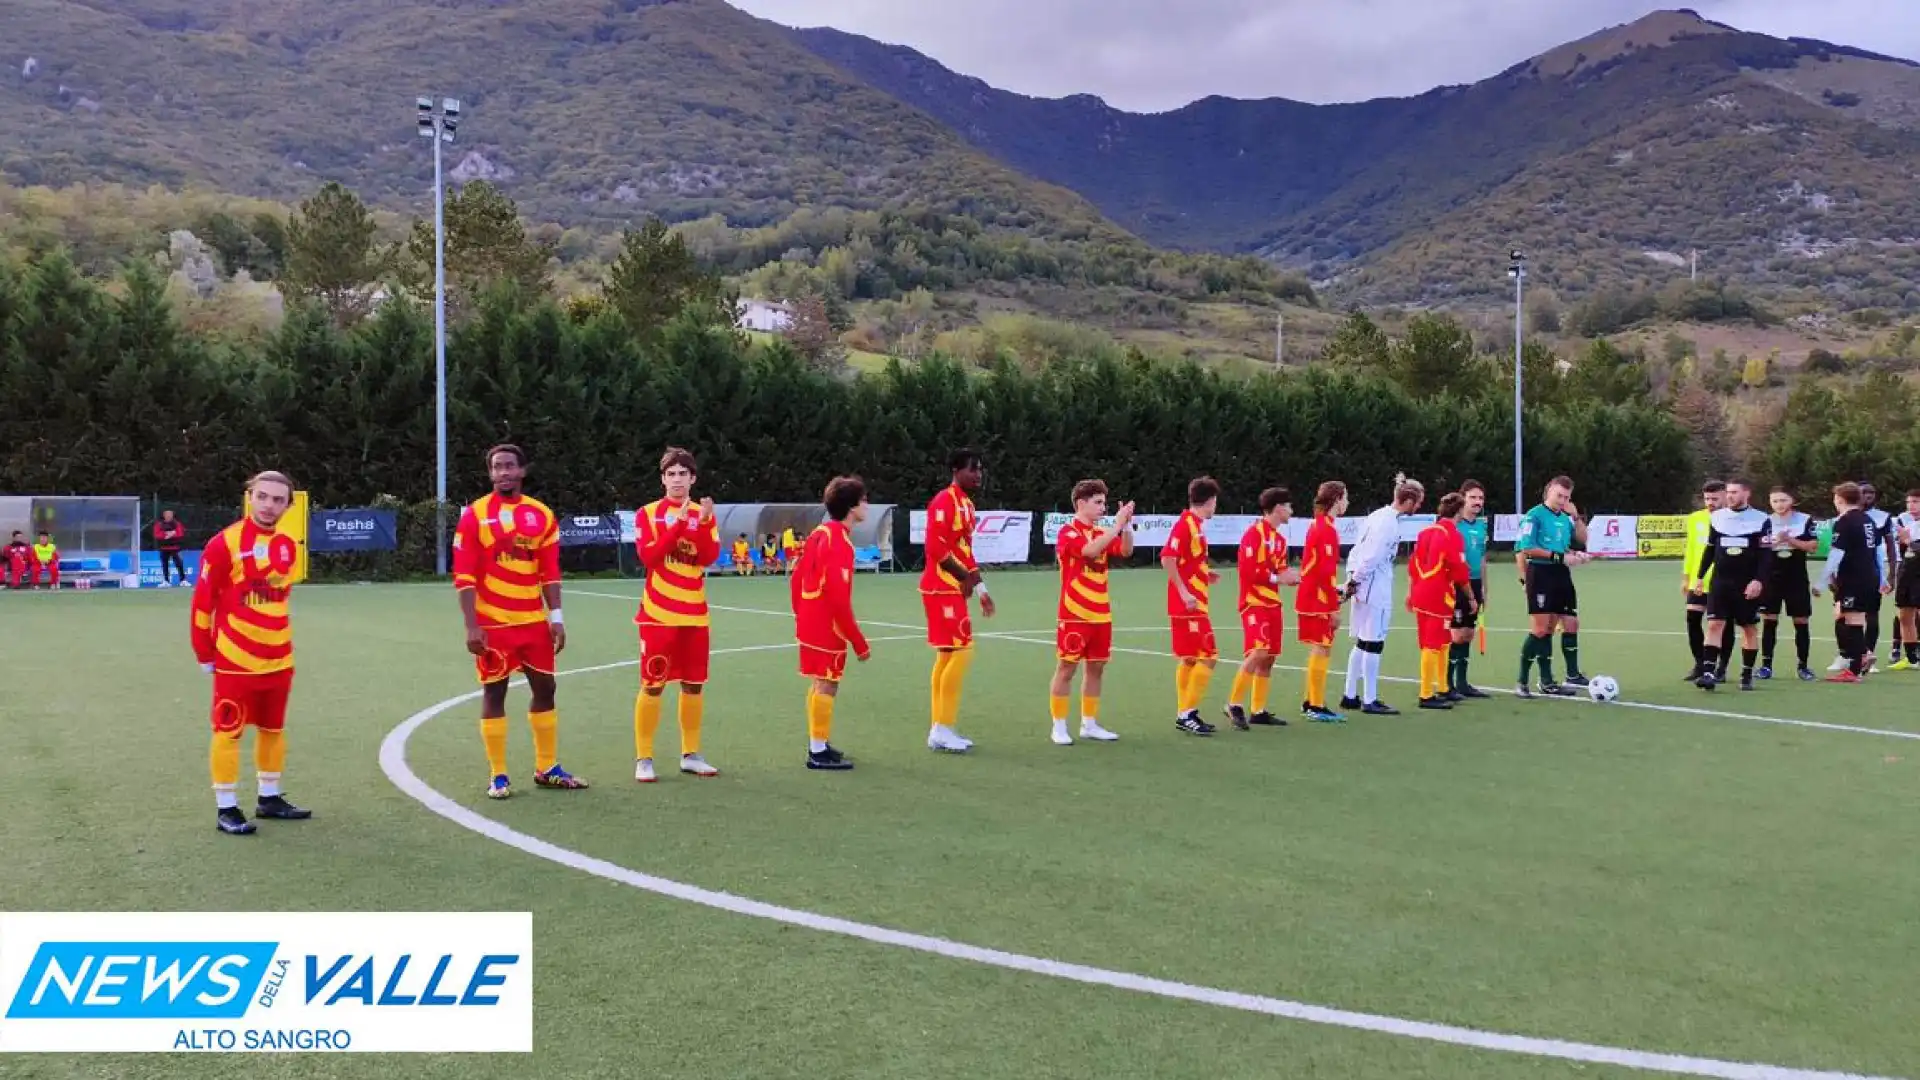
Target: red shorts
[[259, 700], [527, 647], [673, 654], [1315, 630], [949, 626], [1436, 631], [1193, 638], [1082, 642], [818, 663], [1263, 630]]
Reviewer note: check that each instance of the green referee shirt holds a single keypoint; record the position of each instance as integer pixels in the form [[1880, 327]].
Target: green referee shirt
[[1548, 530], [1475, 534]]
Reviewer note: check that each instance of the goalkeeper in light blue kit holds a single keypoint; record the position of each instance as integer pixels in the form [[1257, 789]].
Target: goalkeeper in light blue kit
[[1544, 551]]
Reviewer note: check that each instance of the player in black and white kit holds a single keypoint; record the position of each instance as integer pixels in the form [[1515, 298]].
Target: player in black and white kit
[[1906, 585], [1853, 573], [1788, 587], [1739, 540], [1885, 556]]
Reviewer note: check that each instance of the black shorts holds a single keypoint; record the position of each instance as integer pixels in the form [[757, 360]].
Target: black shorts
[[1906, 588], [1729, 603], [1550, 590], [1857, 596], [1465, 618], [1789, 596]]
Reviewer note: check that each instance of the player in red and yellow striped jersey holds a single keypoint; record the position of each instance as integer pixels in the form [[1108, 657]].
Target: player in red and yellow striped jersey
[[506, 571], [243, 637], [742, 556], [1189, 580], [677, 540], [1437, 576], [1263, 570], [951, 579], [823, 622], [1317, 602], [1085, 631]]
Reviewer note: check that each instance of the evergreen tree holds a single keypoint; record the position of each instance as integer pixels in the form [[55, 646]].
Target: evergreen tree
[[333, 255], [486, 243]]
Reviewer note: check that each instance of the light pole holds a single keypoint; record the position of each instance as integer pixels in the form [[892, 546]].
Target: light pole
[[439, 126], [1517, 270]]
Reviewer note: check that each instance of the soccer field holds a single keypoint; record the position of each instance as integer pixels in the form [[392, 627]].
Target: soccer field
[[1675, 874]]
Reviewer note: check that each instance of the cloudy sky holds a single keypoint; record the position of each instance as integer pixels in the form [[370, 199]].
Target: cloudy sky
[[1149, 55]]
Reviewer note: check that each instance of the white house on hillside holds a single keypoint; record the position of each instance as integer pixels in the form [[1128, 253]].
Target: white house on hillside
[[767, 315]]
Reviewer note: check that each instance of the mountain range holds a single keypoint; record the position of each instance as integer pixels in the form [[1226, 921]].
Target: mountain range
[[1788, 165]]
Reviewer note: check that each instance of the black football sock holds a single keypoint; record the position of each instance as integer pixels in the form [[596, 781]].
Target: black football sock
[[1872, 628], [1840, 635], [1853, 646], [1696, 633], [1709, 658], [1769, 637], [1725, 652], [1570, 648], [1747, 657], [1802, 641]]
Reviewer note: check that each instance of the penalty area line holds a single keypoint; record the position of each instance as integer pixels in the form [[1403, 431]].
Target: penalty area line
[[393, 762]]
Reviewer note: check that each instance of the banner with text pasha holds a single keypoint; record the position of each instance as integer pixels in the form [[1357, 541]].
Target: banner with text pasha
[[330, 531], [237, 982], [999, 536]]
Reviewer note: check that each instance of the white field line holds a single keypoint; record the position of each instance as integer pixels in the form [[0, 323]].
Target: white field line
[[393, 762]]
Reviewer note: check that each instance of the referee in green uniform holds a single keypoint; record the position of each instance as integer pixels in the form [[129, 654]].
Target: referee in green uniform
[[1544, 550]]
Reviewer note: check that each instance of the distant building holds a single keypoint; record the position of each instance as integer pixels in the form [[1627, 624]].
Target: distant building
[[767, 315]]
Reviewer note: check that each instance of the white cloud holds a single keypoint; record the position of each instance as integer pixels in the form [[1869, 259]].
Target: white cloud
[[1159, 54]]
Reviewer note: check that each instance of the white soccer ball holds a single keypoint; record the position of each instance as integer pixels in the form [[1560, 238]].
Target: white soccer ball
[[1602, 688]]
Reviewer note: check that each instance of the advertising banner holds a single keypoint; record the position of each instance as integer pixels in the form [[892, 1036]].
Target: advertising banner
[[999, 536], [352, 530], [590, 530], [1613, 536], [1661, 536]]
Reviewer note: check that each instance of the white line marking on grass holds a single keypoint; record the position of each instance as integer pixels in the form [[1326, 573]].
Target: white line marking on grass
[[393, 762]]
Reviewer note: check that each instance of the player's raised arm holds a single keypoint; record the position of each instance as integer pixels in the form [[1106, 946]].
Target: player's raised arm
[[652, 542], [1120, 535], [706, 534]]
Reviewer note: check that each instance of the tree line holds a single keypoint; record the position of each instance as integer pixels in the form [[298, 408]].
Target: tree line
[[105, 393]]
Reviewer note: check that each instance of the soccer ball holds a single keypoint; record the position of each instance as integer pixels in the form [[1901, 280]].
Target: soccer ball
[[1603, 689]]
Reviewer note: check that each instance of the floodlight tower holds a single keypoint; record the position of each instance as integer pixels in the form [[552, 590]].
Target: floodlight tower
[[439, 125], [1517, 270]]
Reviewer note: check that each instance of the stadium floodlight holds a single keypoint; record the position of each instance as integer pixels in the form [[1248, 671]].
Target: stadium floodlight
[[1517, 270], [439, 125]]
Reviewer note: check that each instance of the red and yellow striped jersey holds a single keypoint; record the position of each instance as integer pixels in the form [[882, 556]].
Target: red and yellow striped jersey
[[1187, 543], [1319, 565], [676, 552], [1439, 563], [506, 551], [822, 591], [1083, 581], [1263, 555], [950, 521], [241, 624]]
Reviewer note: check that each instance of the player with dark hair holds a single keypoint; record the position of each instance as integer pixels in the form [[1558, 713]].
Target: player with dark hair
[[1084, 634], [243, 637], [1886, 555], [1437, 576], [1316, 603], [824, 623], [46, 556], [742, 556], [677, 539], [947, 586], [1263, 571], [1906, 585], [1788, 588], [1738, 542], [1854, 574], [1713, 495], [506, 571], [1189, 580], [1545, 551], [1475, 532], [19, 559]]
